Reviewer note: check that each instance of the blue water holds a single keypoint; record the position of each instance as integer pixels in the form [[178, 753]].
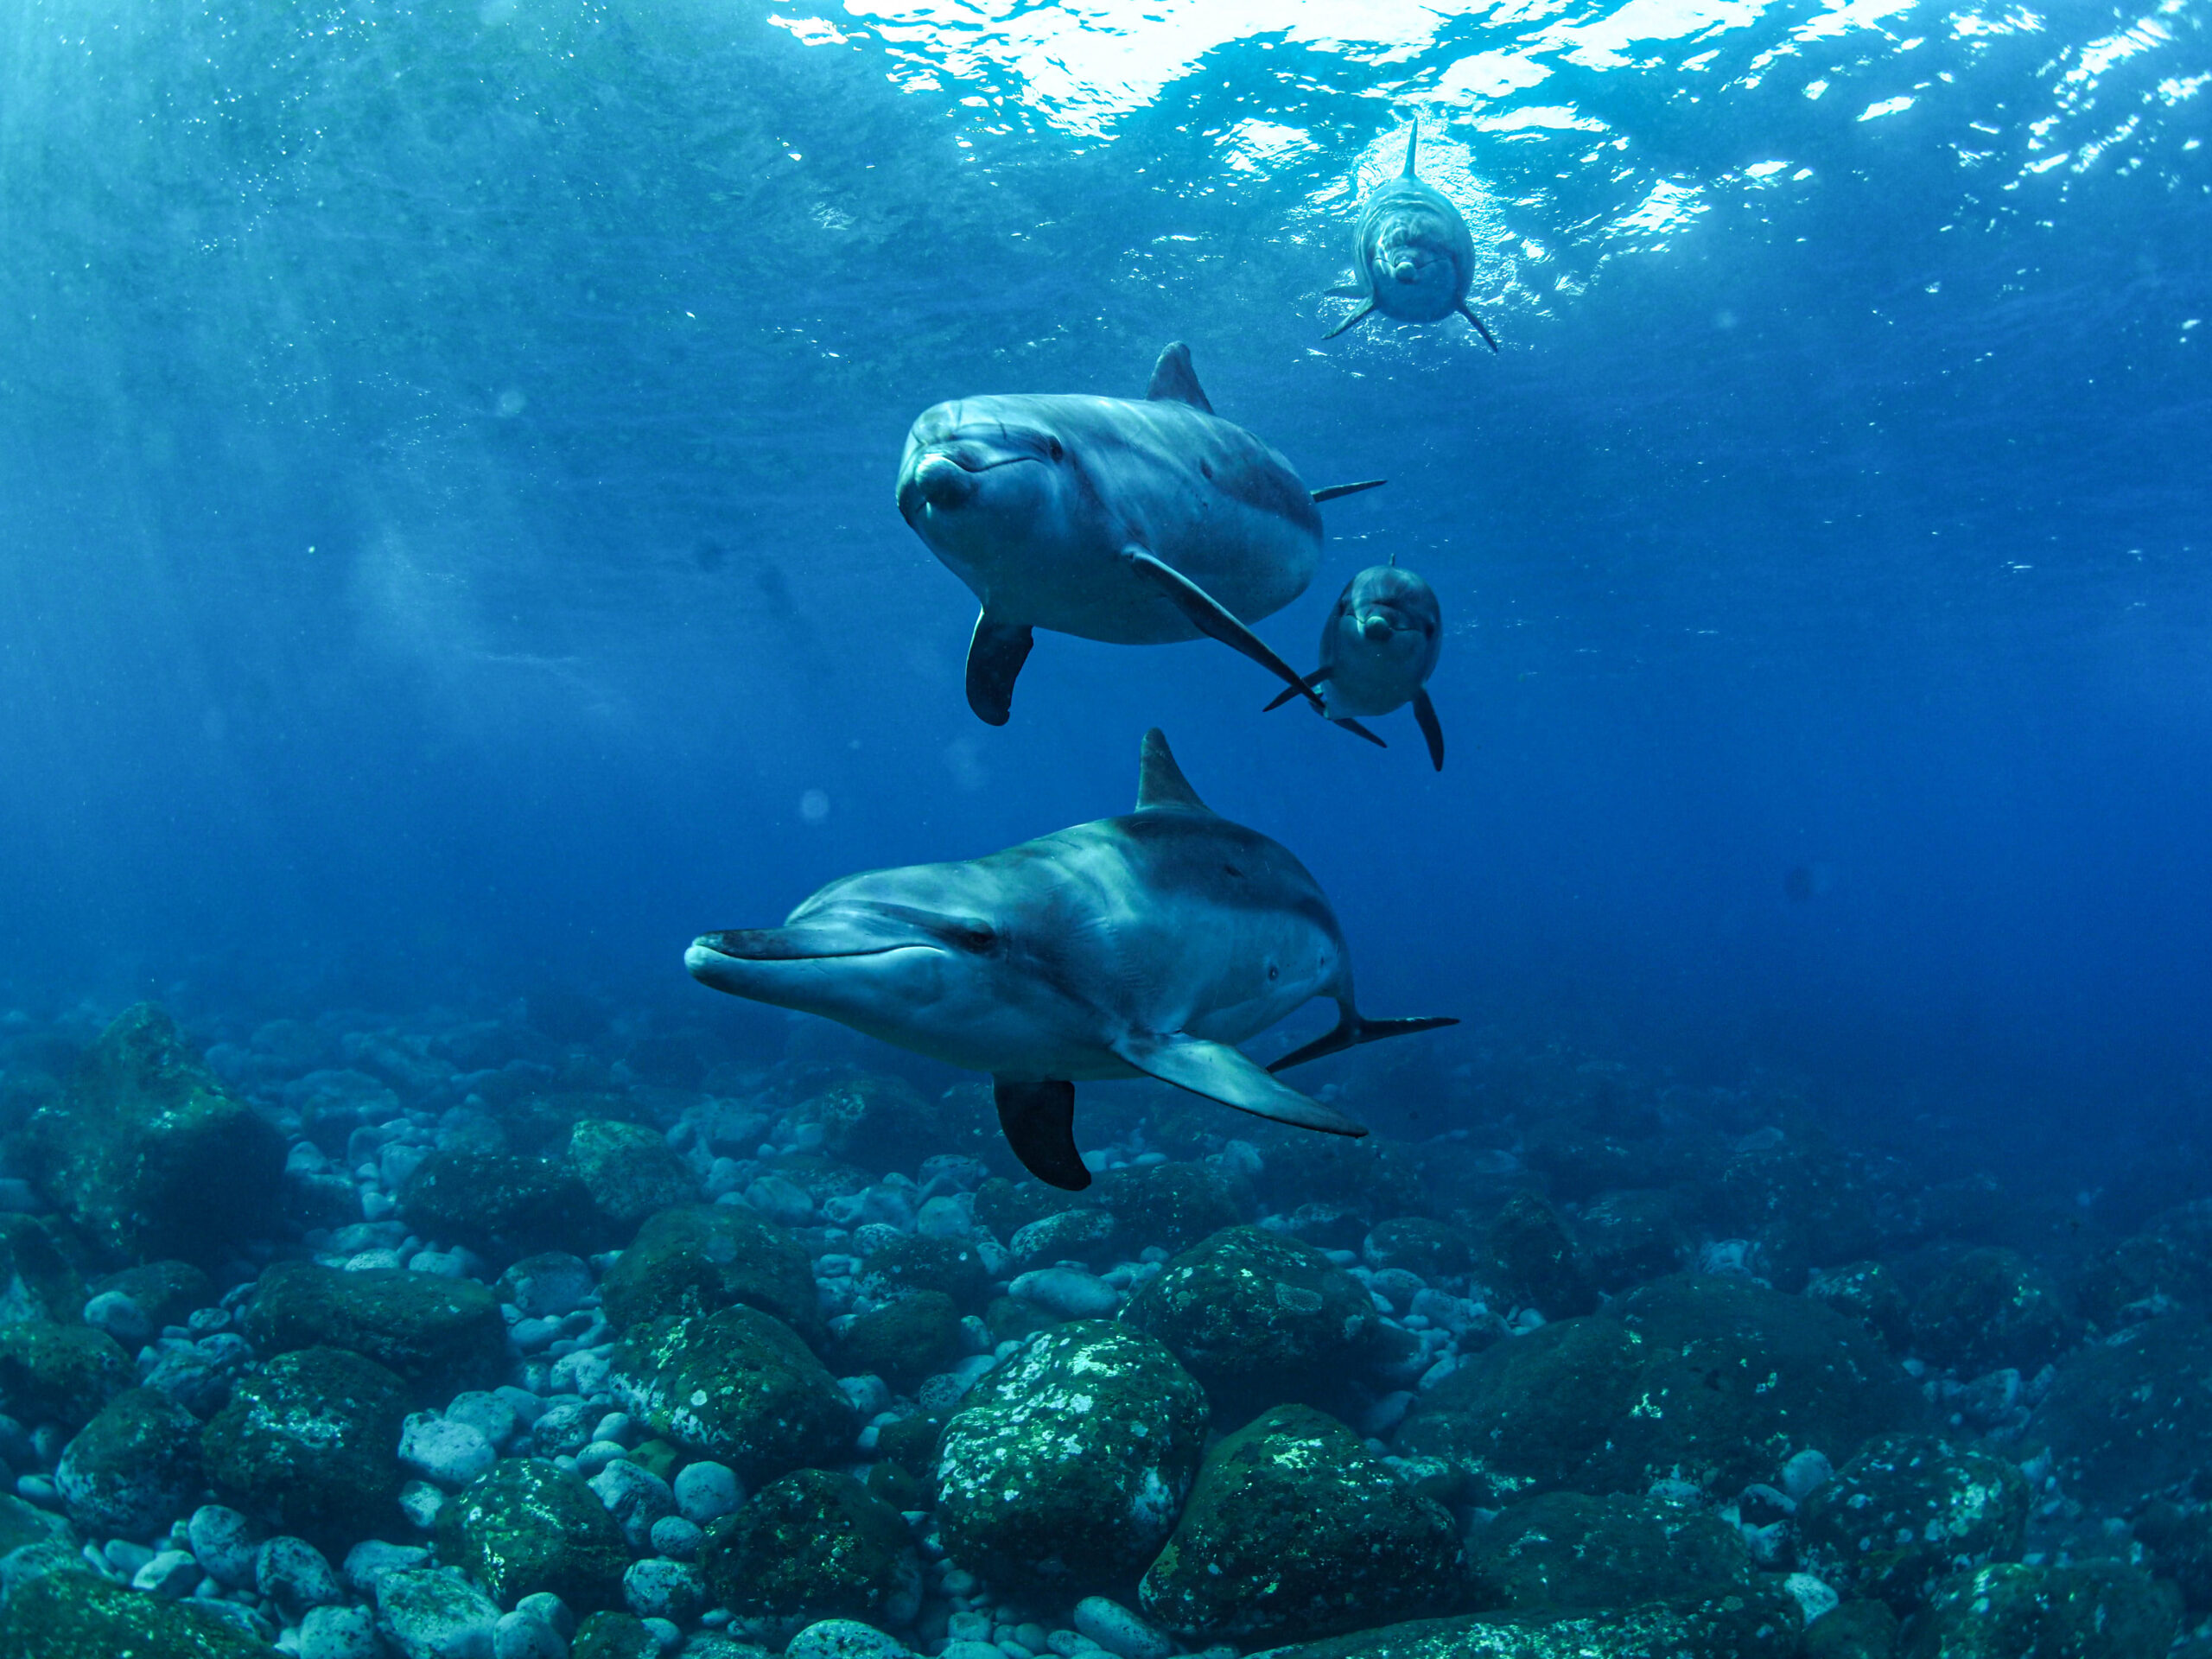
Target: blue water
[[447, 548]]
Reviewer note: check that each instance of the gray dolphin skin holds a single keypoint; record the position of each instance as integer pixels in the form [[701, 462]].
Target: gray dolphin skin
[[1137, 946], [1415, 257], [1378, 648], [1136, 522]]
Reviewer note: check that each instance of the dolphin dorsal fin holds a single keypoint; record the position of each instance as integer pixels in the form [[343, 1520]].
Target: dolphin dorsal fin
[[1174, 381], [1413, 146], [1160, 780]]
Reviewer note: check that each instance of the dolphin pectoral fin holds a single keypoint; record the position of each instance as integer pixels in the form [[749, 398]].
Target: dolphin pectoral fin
[[1347, 291], [1331, 491], [1431, 728], [1353, 321], [1211, 617], [1352, 1031], [1468, 312], [1358, 730], [996, 655], [1219, 1072], [1307, 684], [1039, 1119], [1174, 380]]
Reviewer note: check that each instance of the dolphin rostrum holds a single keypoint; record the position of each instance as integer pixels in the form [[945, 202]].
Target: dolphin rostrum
[[1414, 255], [1137, 946], [1134, 522], [1378, 648]]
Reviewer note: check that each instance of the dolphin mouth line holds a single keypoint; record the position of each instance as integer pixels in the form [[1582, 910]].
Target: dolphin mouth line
[[966, 464], [812, 956]]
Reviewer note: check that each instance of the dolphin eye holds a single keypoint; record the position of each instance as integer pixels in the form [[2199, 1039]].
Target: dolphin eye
[[972, 937], [1052, 447], [1274, 972]]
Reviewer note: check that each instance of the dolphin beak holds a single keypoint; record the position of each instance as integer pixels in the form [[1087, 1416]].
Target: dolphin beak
[[1374, 626], [937, 480]]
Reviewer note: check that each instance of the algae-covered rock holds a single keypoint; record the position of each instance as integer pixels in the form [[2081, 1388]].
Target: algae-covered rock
[[36, 1281], [2130, 1416], [1567, 1549], [1991, 1309], [699, 1258], [614, 1635], [133, 1469], [1851, 1630], [1763, 1625], [815, 1545], [1257, 1318], [1868, 1292], [736, 1386], [59, 1373], [528, 1525], [165, 1291], [2097, 1610], [23, 1524], [310, 1443], [1909, 1511], [628, 1171], [439, 1333], [1293, 1531], [1534, 1261], [948, 1266], [1172, 1205], [1071, 1459], [429, 1613], [1432, 1249], [1634, 1234], [148, 1154], [501, 1205], [902, 1341], [1716, 1381], [78, 1615]]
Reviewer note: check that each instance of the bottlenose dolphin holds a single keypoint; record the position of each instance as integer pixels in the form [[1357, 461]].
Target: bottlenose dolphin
[[1137, 522], [1415, 257], [1378, 648], [1137, 946]]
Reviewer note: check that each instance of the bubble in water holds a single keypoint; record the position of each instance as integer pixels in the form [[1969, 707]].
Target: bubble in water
[[814, 806], [512, 403]]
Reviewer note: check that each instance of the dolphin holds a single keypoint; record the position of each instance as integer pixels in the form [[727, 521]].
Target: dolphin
[[1137, 946], [1414, 255], [1378, 648], [1134, 522]]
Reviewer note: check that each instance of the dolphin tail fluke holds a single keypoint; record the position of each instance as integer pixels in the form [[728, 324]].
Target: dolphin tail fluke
[[1468, 312], [1413, 147], [1211, 617], [1357, 317], [1331, 491], [1039, 1119], [996, 655], [1352, 1031], [1308, 683], [1358, 730], [1219, 1072], [1431, 727]]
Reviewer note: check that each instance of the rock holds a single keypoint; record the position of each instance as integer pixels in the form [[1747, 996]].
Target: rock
[[1172, 1205], [1535, 1262], [705, 1491], [1569, 1550], [735, 1386], [1993, 1308], [225, 1545], [614, 1635], [1803, 1200], [1868, 1292], [815, 1545], [149, 1155], [1855, 1629], [368, 1561], [1294, 1531], [2124, 1418], [1418, 1245], [36, 1281], [133, 1469], [2166, 1266], [1066, 1293], [524, 1635], [702, 1258], [678, 1539], [905, 1263], [310, 1441], [490, 1414], [295, 1575], [844, 1638], [429, 1613], [636, 1497], [1633, 1236], [1085, 1234], [59, 1373], [656, 1588], [121, 1318], [2099, 1610], [199, 1378], [547, 1284], [420, 1503], [22, 1525], [628, 1171], [65, 1615], [438, 1334], [1908, 1511], [165, 1291], [1071, 1459], [338, 1633], [1257, 1319], [1713, 1380], [444, 1452], [902, 1341], [886, 1120], [2180, 1540], [501, 1204], [1763, 1625], [530, 1527], [1120, 1632]]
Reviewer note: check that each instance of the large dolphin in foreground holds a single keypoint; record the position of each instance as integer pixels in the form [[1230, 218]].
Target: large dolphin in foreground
[[1137, 946], [1137, 522], [1416, 258], [1378, 648]]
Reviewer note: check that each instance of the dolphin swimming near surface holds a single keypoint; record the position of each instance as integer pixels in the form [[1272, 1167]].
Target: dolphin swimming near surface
[[1414, 255], [1378, 648], [1137, 946], [1134, 522]]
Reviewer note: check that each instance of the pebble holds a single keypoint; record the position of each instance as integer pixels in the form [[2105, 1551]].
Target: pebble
[[1803, 1473], [441, 1450], [39, 1490], [666, 1634], [844, 1638], [599, 1455], [222, 1543], [337, 1633], [1068, 1292], [495, 1419], [959, 1647], [869, 1394], [706, 1491], [951, 1216], [121, 1318], [520, 1636], [780, 1200], [636, 1498], [1069, 1643], [420, 1502], [1120, 1632], [1812, 1595], [550, 1609], [125, 1555], [172, 1573], [677, 1538], [295, 1575], [370, 1559], [433, 1615], [656, 1588]]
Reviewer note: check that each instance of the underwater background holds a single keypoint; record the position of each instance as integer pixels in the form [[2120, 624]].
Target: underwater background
[[448, 560]]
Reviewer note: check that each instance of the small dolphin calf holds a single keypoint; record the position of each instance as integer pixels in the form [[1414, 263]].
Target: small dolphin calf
[[1133, 523], [1414, 255], [1138, 946], [1378, 648]]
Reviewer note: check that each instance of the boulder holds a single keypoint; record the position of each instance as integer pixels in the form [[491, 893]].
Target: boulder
[[811, 1546], [530, 1526], [36, 1281], [1432, 1249], [902, 1341], [1764, 1625], [1170, 1206], [2096, 1610], [1868, 1292], [1993, 1308], [1070, 1460], [501, 1204], [78, 1615], [701, 1258], [948, 1266], [310, 1443], [2129, 1417], [1907, 1511], [148, 1154], [1851, 1630], [1534, 1261], [1294, 1531], [628, 1171], [430, 1613], [59, 1373], [1633, 1236], [738, 1387], [614, 1635], [132, 1469], [437, 1333], [547, 1284], [1570, 1550], [165, 1291]]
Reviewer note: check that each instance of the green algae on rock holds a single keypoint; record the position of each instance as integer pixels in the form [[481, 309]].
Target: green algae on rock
[[1991, 1308], [614, 1635], [440, 1334], [2130, 1416], [737, 1386], [902, 1341], [149, 1155], [528, 1525], [1908, 1511], [1534, 1261], [1851, 1630], [133, 1469], [1172, 1205], [165, 1291], [23, 1524], [1070, 1460], [628, 1170], [911, 1262], [699, 1258], [2097, 1610], [1761, 1623], [37, 1280], [1293, 1531], [815, 1545], [1570, 1550], [60, 1373], [79, 1616], [501, 1204], [311, 1442]]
